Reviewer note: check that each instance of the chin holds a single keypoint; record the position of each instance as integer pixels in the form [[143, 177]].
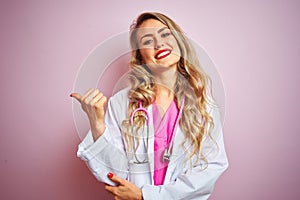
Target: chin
[[169, 62]]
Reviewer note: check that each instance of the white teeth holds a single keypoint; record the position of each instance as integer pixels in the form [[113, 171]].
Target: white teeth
[[162, 54]]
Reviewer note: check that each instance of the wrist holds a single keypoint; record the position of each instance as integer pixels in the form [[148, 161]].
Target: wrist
[[97, 130]]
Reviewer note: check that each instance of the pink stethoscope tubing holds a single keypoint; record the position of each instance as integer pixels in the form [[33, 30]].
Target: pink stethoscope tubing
[[140, 108]]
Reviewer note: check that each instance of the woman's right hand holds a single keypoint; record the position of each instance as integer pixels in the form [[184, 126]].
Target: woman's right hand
[[93, 102]]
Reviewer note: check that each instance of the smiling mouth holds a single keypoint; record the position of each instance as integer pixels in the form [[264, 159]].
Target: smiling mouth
[[162, 53]]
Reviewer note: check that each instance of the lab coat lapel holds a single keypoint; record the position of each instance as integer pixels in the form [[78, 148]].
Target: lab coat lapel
[[177, 152], [151, 142]]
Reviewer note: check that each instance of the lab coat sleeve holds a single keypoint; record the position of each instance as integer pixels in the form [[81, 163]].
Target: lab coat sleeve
[[196, 183], [107, 153]]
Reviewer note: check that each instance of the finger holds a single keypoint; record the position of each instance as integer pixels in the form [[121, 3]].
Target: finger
[[101, 102], [76, 96], [91, 96], [87, 93], [109, 188], [96, 98], [115, 178]]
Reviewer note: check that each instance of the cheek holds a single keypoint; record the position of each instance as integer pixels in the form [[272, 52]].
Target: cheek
[[175, 46], [146, 53]]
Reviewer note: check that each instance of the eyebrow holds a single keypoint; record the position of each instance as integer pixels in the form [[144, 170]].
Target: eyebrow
[[149, 35]]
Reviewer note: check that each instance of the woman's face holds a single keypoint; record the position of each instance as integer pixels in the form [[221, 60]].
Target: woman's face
[[157, 45]]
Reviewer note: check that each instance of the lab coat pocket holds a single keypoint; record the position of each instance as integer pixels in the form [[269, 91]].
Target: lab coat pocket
[[139, 173]]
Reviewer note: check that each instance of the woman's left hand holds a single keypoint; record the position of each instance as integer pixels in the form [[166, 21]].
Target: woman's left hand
[[124, 190]]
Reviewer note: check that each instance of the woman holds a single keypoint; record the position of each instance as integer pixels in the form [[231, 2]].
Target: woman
[[175, 149]]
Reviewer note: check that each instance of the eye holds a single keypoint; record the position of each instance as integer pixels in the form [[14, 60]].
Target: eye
[[148, 42], [164, 35]]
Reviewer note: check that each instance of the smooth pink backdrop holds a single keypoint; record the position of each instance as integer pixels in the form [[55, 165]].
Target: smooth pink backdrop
[[254, 44]]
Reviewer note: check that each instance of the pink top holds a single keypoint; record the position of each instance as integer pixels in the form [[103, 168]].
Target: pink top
[[163, 128]]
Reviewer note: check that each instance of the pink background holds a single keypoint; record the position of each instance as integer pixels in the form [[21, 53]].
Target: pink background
[[254, 44]]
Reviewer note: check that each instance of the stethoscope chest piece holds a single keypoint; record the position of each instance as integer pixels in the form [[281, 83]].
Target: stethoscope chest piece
[[166, 156]]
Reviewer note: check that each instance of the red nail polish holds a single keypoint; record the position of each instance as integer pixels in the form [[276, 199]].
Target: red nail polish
[[110, 175], [70, 95]]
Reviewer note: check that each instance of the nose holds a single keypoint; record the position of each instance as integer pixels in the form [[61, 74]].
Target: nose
[[159, 43]]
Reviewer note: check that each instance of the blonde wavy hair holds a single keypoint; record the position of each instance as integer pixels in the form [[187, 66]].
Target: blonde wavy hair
[[192, 83]]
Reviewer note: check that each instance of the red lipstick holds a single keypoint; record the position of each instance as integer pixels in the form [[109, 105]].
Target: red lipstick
[[162, 54]]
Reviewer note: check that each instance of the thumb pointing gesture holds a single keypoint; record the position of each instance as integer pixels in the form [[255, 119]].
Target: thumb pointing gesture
[[93, 103]]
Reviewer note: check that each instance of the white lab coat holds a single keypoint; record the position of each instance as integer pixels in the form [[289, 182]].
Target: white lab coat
[[108, 154]]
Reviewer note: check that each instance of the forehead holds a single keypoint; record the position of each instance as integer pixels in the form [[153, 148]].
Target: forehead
[[149, 26], [152, 23]]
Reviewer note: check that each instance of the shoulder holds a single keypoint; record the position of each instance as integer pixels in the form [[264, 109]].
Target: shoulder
[[120, 96], [119, 101], [214, 111], [117, 106]]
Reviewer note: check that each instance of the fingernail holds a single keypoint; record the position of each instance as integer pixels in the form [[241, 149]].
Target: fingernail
[[71, 95], [110, 175]]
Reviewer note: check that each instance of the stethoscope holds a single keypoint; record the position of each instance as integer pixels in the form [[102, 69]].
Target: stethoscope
[[140, 108], [168, 151]]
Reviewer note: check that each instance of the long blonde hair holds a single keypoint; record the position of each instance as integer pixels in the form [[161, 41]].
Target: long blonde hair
[[192, 83]]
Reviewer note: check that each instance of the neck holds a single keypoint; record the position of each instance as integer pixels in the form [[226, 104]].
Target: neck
[[164, 88], [163, 92], [165, 81]]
